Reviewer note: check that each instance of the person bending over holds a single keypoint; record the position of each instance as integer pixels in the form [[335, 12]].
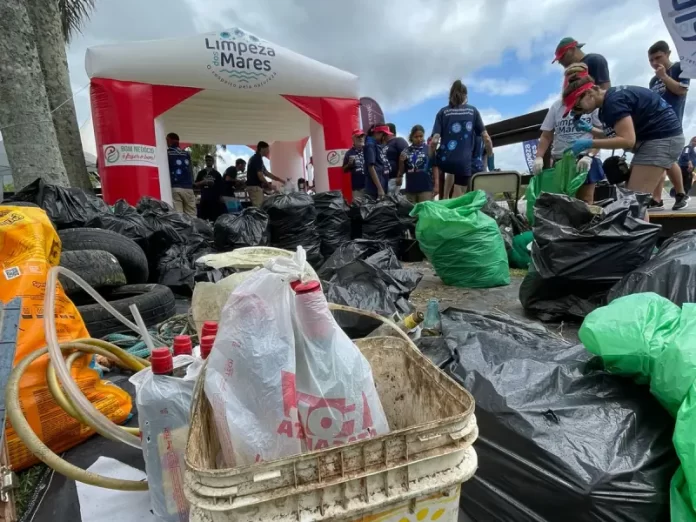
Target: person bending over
[[642, 121], [257, 174], [569, 51], [414, 162], [668, 83]]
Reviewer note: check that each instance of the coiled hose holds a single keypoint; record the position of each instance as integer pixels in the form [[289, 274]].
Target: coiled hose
[[73, 402]]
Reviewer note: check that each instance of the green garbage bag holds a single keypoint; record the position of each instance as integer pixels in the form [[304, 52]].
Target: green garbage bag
[[463, 244], [519, 254], [563, 178], [647, 337]]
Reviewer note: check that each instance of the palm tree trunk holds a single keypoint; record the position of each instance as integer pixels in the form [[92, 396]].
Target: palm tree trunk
[[25, 117], [45, 18]]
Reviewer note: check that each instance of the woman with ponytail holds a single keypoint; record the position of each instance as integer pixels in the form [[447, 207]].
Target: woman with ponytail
[[641, 120], [455, 129]]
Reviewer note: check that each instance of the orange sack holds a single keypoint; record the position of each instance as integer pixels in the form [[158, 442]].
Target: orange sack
[[29, 247]]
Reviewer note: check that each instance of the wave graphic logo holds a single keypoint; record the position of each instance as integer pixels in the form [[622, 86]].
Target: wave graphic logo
[[240, 60]]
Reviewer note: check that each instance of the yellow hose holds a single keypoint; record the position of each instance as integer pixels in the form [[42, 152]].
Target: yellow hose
[[32, 441]]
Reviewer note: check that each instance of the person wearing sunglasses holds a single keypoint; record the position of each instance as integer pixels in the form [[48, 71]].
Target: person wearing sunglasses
[[641, 120]]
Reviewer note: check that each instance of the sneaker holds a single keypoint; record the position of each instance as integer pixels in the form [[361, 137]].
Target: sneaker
[[680, 201], [656, 204]]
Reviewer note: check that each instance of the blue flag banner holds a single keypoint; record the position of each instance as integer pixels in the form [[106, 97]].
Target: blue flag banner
[[530, 150]]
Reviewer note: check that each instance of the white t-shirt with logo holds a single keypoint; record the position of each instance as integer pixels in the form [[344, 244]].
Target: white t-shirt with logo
[[564, 131]]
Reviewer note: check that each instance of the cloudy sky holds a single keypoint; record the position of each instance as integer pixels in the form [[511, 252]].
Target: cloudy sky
[[407, 52]]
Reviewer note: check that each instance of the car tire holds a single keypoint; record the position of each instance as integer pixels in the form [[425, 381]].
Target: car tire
[[99, 269], [129, 255], [156, 303]]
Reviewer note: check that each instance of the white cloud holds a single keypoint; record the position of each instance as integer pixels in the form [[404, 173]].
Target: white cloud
[[497, 87]]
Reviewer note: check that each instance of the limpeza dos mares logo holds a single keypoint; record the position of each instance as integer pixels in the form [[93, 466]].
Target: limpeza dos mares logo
[[241, 60]]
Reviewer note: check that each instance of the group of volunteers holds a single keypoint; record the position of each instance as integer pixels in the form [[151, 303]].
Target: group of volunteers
[[592, 115], [379, 161]]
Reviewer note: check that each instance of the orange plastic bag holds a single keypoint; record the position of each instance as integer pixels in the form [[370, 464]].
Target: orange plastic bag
[[29, 246]]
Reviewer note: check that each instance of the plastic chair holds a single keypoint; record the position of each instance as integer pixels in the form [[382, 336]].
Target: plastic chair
[[508, 182]]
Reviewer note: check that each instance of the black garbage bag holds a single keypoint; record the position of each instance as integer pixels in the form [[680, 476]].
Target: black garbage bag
[[177, 267], [371, 280], [333, 220], [248, 229], [560, 439], [381, 222], [403, 210], [292, 221], [503, 217], [124, 220], [671, 273], [65, 207], [148, 203], [580, 252], [356, 221]]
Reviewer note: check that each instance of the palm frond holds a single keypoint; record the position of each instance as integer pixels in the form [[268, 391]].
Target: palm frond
[[73, 14]]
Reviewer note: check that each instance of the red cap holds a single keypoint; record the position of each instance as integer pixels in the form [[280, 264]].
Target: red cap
[[182, 345], [384, 129], [209, 328], [161, 361], [572, 98], [207, 345], [307, 288], [358, 132]]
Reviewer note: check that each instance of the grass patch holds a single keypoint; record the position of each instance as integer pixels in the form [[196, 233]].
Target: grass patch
[[28, 481]]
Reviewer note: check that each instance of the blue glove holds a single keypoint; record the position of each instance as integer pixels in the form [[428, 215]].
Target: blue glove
[[491, 163], [580, 146], [583, 126]]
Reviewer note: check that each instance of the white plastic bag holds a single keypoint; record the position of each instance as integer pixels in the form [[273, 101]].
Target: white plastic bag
[[164, 405], [336, 396], [250, 378]]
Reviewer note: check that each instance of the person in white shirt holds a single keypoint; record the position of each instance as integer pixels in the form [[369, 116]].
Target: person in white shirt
[[560, 133]]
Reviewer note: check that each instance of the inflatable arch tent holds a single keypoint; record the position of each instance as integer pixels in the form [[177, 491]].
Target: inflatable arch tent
[[222, 87]]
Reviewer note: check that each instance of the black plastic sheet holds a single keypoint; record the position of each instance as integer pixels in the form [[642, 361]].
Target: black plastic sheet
[[367, 275], [560, 440], [65, 207], [292, 221], [403, 210], [177, 267], [580, 252], [333, 220], [671, 273], [248, 229]]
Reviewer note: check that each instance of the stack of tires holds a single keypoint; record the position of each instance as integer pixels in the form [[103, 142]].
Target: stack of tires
[[117, 268]]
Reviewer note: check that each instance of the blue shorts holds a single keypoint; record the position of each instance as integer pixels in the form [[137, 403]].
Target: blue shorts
[[596, 173]]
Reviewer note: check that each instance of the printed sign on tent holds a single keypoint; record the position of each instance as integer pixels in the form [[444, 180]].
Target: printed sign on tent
[[119, 154], [530, 150], [335, 157], [680, 19]]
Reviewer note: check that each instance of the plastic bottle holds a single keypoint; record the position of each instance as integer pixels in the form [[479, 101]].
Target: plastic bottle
[[432, 326], [164, 402], [182, 345], [337, 401], [407, 324], [209, 328], [207, 346]]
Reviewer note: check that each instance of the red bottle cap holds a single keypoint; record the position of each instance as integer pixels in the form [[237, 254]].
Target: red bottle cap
[[307, 288], [209, 328], [207, 345], [161, 361], [182, 345]]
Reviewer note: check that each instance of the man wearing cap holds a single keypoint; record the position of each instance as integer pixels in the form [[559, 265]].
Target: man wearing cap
[[377, 179], [568, 51], [354, 162]]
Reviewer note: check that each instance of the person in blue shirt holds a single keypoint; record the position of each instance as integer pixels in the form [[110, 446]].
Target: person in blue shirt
[[414, 163], [569, 51], [376, 162], [668, 83], [180, 176], [687, 160], [354, 162], [454, 130], [395, 146], [642, 121]]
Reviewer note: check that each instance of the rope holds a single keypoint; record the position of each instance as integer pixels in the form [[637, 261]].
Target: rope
[[163, 335]]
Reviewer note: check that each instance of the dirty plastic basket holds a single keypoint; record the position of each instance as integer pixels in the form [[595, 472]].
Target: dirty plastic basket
[[413, 473]]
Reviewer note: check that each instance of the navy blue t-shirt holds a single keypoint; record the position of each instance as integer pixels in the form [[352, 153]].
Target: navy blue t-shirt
[[598, 67], [658, 86], [477, 155], [254, 166], [394, 149], [417, 168], [376, 155], [180, 170], [653, 118], [457, 127], [357, 169], [687, 155]]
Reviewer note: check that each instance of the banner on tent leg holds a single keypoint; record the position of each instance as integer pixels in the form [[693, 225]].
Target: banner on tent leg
[[120, 154], [530, 150], [680, 19], [335, 157]]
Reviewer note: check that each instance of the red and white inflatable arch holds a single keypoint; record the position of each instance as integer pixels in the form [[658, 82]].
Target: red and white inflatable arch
[[227, 87]]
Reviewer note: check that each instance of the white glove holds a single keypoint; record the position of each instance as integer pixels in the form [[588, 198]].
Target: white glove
[[538, 166], [584, 164]]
